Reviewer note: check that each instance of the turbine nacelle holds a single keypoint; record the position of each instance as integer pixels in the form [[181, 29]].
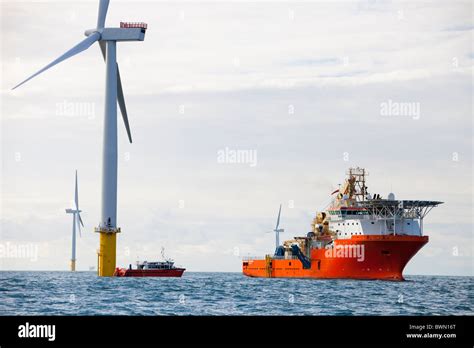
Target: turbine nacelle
[[124, 33]]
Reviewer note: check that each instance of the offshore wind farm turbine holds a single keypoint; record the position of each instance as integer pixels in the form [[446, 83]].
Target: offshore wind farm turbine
[[278, 230], [107, 39], [76, 220]]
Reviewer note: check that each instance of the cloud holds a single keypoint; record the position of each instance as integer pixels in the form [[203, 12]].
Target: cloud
[[301, 84]]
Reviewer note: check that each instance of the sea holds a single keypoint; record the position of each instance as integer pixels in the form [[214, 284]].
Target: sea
[[198, 293]]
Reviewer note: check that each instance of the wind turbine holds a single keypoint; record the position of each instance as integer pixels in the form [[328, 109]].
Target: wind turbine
[[278, 230], [107, 39], [76, 220]]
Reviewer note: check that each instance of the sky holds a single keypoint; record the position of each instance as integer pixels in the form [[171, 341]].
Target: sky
[[305, 90]]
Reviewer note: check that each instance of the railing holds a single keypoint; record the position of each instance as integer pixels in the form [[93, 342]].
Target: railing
[[248, 258], [107, 229], [140, 25]]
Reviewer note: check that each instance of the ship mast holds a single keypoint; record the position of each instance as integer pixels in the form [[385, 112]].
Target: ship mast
[[357, 177]]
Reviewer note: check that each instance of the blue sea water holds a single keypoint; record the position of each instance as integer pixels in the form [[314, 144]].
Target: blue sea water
[[83, 293]]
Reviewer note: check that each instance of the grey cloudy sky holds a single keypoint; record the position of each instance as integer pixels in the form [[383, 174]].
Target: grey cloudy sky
[[302, 84]]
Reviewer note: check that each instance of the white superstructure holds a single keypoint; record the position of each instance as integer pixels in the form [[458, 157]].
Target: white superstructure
[[353, 211]]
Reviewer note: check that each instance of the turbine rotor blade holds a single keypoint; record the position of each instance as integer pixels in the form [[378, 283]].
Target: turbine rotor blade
[[80, 219], [121, 102], [102, 48], [81, 46], [76, 195], [120, 97], [103, 6]]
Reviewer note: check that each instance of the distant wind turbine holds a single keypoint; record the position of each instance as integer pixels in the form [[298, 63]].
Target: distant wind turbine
[[278, 230], [107, 39], [76, 220]]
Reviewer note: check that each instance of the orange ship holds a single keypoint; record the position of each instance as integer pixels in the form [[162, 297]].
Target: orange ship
[[358, 236]]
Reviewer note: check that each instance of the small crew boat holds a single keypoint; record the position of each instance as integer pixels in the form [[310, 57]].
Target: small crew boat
[[164, 268]]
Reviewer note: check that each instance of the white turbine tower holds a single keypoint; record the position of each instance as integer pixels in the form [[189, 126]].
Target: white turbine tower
[[107, 39], [278, 230], [76, 220]]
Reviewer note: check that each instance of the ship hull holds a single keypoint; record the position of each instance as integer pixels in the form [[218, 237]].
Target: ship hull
[[361, 257], [174, 272]]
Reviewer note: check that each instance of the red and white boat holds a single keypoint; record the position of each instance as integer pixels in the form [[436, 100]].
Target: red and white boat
[[164, 268]]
